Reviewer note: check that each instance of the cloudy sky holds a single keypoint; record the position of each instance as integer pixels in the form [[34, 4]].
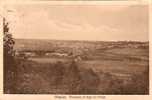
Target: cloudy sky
[[81, 22]]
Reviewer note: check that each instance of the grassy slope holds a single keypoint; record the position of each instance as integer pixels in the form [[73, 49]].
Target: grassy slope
[[98, 73]]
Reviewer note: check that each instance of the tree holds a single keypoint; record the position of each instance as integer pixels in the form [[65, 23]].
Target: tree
[[9, 61]]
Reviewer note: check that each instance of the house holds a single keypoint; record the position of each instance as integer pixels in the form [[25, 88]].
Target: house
[[29, 54], [57, 54]]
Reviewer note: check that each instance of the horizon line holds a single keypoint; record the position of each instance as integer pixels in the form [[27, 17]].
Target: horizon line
[[81, 40]]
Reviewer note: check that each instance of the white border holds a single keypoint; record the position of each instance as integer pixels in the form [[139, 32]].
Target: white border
[[52, 97]]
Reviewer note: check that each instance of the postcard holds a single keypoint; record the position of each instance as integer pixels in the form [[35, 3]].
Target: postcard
[[75, 50]]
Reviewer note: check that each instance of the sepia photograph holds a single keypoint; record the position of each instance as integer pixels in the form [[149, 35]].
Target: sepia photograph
[[76, 49]]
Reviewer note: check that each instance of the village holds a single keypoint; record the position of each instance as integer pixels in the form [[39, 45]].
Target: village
[[78, 51]]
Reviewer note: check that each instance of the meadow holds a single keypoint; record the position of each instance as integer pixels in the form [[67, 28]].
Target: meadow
[[90, 67]]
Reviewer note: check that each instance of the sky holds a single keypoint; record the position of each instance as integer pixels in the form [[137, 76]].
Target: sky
[[79, 22]]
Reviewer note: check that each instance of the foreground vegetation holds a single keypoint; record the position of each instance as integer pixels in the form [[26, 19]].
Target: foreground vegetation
[[115, 68], [68, 78]]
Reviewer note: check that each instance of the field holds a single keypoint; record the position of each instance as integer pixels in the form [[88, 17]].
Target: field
[[82, 67]]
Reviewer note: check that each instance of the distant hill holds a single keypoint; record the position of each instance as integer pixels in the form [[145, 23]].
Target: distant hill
[[51, 45]]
